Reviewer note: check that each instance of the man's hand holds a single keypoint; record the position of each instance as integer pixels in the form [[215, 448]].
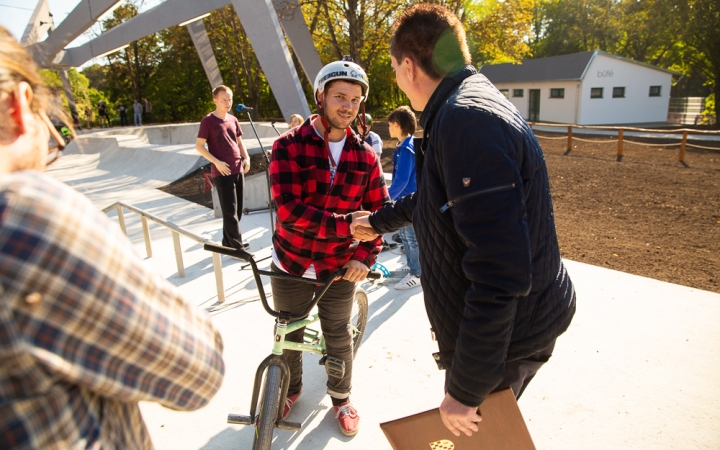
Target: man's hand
[[246, 165], [361, 228], [459, 418], [222, 167], [356, 271]]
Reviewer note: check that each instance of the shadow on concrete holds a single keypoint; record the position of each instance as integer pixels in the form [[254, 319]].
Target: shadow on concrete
[[391, 302]]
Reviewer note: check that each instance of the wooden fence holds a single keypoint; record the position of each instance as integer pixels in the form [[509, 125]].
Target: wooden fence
[[621, 137]]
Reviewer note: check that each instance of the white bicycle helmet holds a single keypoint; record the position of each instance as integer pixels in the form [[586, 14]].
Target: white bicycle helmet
[[341, 70], [345, 69]]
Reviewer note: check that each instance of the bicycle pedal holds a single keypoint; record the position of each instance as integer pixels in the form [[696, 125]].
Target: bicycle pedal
[[240, 420], [285, 425], [335, 367]]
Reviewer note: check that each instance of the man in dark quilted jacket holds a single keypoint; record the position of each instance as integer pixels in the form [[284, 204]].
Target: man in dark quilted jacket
[[496, 291]]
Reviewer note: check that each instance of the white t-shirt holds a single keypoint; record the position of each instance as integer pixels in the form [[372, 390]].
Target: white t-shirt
[[375, 142]]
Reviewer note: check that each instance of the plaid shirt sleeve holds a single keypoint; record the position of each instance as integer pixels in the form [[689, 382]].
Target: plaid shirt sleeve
[[88, 327]]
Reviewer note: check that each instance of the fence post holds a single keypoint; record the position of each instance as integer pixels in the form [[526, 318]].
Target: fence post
[[146, 234], [620, 145], [681, 157], [121, 218], [178, 254], [217, 265], [569, 143]]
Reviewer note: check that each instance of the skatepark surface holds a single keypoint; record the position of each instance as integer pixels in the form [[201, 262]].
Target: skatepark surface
[[637, 369]]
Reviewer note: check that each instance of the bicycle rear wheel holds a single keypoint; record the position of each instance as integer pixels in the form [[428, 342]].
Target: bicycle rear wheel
[[268, 409], [358, 317]]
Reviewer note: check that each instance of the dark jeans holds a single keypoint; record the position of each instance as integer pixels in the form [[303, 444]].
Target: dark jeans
[[334, 309], [123, 119], [519, 373], [230, 192]]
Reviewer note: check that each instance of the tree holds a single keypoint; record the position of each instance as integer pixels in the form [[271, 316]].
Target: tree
[[703, 40], [130, 69]]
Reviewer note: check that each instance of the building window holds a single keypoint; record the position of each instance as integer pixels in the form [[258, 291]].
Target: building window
[[596, 92], [505, 92], [557, 93], [519, 92], [655, 91], [618, 92]]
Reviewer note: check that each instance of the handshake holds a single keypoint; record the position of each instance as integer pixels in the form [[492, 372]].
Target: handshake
[[361, 228]]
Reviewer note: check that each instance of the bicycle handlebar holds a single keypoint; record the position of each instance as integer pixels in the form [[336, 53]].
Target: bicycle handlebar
[[245, 256]]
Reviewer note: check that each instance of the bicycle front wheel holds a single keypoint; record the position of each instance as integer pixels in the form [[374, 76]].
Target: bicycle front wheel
[[358, 317], [268, 409]]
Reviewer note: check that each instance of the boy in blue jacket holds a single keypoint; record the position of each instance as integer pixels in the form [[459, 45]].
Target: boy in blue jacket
[[402, 124]]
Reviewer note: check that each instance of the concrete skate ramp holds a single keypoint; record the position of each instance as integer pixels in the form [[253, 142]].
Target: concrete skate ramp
[[129, 164]]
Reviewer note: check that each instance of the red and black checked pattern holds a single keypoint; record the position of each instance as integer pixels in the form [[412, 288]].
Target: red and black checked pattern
[[313, 216]]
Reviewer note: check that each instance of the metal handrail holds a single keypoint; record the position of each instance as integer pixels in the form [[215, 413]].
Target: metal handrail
[[176, 232]]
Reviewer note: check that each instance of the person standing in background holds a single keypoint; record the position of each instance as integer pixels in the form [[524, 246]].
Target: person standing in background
[[372, 138], [122, 109], [402, 124], [89, 116], [103, 114], [221, 131], [138, 110]]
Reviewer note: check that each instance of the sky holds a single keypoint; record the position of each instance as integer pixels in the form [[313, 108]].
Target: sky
[[15, 14]]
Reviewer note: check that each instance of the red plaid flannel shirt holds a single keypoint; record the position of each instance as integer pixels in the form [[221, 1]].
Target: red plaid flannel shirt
[[313, 217]]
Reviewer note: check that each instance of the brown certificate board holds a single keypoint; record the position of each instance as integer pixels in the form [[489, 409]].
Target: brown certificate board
[[502, 428]]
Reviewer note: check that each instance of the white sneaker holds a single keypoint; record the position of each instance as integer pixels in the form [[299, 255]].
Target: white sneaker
[[404, 268], [410, 281]]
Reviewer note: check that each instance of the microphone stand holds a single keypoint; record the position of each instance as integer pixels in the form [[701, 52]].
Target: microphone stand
[[274, 128], [267, 174]]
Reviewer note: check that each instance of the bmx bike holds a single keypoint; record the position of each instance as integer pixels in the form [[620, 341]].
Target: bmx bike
[[265, 410]]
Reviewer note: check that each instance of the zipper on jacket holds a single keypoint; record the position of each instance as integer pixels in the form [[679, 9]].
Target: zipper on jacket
[[451, 203]]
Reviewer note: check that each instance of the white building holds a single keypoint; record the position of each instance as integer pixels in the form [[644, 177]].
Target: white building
[[589, 88]]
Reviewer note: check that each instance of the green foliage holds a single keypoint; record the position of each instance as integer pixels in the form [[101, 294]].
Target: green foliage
[[682, 35]]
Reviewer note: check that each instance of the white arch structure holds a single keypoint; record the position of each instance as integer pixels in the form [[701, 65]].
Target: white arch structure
[[264, 22]]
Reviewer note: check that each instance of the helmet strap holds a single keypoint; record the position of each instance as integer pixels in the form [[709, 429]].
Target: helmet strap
[[326, 125], [361, 121]]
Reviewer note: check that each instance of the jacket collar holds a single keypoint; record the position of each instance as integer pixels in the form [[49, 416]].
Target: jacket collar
[[438, 97]]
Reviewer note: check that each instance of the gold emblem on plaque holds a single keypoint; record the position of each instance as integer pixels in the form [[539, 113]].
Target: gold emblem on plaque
[[442, 445]]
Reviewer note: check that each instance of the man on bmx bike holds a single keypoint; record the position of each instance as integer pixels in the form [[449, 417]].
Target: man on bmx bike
[[322, 173]]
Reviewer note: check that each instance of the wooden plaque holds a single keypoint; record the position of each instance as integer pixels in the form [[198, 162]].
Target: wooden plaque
[[502, 428]]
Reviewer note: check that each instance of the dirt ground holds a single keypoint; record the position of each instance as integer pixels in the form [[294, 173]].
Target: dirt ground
[[648, 214]]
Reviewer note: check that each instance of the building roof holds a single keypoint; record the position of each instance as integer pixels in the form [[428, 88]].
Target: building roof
[[554, 68]]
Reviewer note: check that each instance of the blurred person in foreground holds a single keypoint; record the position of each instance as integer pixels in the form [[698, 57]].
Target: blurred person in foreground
[[496, 291], [86, 331]]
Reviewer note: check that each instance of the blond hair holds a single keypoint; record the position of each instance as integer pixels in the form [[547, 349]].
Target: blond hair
[[17, 66]]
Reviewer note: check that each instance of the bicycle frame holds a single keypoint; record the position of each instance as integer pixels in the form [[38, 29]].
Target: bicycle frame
[[285, 323], [315, 346]]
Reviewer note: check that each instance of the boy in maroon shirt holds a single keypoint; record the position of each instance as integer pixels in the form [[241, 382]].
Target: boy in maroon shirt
[[230, 162]]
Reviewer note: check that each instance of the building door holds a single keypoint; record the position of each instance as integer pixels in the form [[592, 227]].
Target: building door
[[534, 115]]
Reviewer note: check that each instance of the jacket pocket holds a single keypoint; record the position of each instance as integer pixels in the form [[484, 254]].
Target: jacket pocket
[[462, 198]]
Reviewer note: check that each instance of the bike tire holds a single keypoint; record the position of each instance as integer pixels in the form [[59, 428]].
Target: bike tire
[[358, 317], [268, 409]]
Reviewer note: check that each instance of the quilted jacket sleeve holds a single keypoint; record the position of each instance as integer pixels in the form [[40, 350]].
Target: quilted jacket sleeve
[[394, 215], [488, 213]]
